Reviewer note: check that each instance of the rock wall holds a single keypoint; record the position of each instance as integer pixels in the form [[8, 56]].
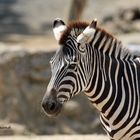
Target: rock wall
[[24, 76], [23, 80], [123, 21]]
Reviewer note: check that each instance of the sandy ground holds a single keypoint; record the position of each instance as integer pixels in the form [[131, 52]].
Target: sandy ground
[[56, 137], [48, 42]]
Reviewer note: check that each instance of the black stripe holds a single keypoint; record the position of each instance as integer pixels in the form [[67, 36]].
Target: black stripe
[[125, 106], [119, 95], [112, 98]]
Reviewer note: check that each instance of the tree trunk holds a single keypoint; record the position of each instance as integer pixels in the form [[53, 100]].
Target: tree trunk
[[76, 10]]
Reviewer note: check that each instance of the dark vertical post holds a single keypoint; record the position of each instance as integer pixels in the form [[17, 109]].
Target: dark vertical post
[[76, 9]]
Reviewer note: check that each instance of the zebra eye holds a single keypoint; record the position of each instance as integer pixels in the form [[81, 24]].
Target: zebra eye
[[81, 48], [73, 65]]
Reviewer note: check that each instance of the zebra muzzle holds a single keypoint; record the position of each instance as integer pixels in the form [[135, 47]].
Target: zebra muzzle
[[51, 105]]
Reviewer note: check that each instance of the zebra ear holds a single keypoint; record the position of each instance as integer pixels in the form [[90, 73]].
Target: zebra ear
[[94, 24], [58, 28], [87, 35]]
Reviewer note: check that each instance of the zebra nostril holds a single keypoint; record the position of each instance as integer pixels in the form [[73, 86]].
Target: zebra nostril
[[49, 106], [52, 106]]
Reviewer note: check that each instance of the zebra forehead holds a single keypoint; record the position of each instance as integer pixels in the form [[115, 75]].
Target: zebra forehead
[[75, 26]]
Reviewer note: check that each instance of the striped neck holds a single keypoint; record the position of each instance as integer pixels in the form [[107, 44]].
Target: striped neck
[[109, 45], [107, 62]]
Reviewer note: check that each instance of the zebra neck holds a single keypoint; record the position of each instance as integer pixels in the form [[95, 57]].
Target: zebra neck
[[98, 85], [107, 59], [109, 45], [105, 78]]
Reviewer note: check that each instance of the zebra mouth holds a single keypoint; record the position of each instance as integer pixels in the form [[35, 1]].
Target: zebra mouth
[[52, 104], [52, 107]]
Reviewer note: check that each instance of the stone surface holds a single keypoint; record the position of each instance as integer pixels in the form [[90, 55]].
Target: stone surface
[[57, 137], [24, 76], [23, 79], [126, 20]]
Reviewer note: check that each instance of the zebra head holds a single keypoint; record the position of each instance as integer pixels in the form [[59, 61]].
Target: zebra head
[[68, 65]]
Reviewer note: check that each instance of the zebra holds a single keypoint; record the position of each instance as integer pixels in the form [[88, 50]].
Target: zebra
[[93, 61]]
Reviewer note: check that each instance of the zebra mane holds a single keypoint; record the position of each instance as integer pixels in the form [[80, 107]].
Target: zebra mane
[[124, 50], [120, 47], [74, 28]]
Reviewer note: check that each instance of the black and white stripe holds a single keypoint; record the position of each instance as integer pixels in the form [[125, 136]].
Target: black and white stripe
[[114, 87], [93, 61]]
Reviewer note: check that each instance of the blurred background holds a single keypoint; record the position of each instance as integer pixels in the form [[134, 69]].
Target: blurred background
[[26, 46]]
